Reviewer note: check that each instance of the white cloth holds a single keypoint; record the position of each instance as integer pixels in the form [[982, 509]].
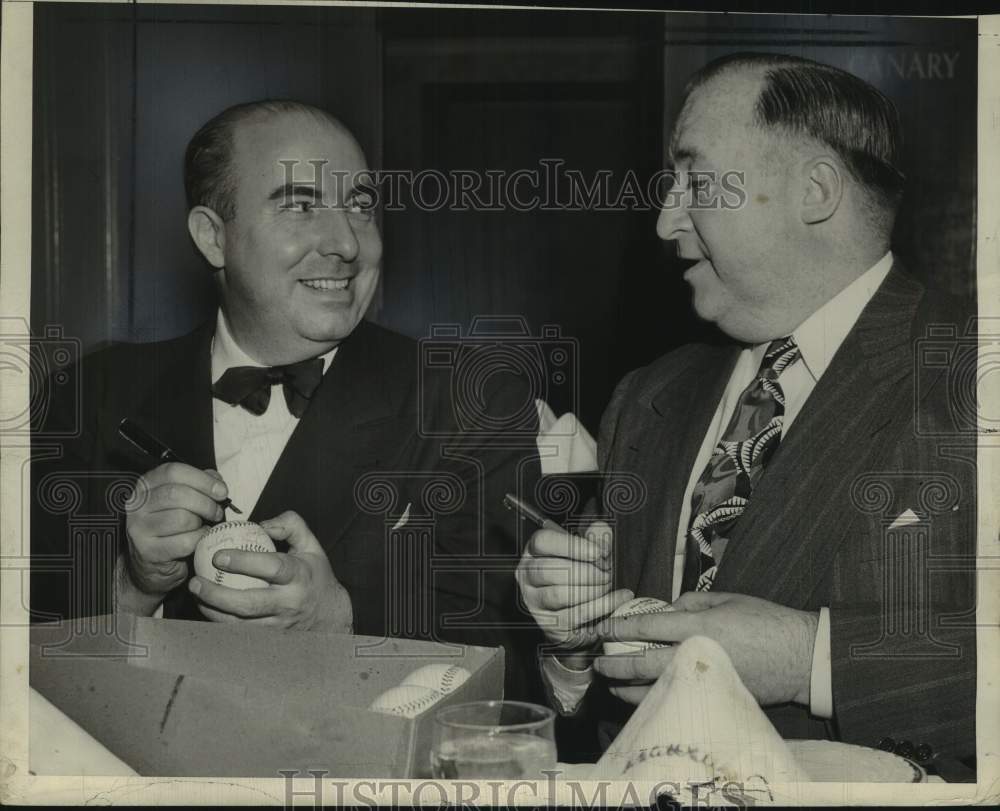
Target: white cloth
[[818, 337], [699, 724], [247, 446], [701, 736], [58, 745], [564, 446]]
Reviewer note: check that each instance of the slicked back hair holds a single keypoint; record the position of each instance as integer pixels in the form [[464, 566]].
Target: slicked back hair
[[801, 97], [209, 174]]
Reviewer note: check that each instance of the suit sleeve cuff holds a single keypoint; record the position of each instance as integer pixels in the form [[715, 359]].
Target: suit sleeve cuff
[[821, 680], [567, 687]]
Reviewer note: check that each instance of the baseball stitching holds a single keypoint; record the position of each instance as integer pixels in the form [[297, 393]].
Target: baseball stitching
[[655, 608], [410, 706], [227, 524], [448, 677], [640, 610]]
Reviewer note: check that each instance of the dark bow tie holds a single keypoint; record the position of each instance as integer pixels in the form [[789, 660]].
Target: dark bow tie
[[250, 386]]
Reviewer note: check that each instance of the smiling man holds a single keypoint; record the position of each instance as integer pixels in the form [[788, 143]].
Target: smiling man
[[295, 241], [294, 407], [788, 514]]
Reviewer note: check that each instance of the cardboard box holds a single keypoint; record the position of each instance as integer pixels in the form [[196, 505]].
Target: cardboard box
[[175, 698]]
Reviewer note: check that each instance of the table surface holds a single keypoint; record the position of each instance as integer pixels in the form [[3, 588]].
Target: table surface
[[58, 745]]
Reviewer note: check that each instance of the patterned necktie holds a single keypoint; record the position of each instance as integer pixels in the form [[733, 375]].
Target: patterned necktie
[[250, 386], [737, 463]]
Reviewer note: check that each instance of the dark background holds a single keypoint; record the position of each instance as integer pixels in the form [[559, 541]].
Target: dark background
[[120, 89]]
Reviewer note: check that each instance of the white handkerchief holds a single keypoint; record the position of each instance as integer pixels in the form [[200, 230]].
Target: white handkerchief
[[564, 446], [403, 518], [905, 519]]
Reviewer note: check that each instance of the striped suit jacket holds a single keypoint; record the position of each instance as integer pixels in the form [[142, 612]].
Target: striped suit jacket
[[882, 433]]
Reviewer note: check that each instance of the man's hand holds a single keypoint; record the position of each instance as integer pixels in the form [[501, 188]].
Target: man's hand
[[771, 646], [565, 582], [303, 593], [166, 516]]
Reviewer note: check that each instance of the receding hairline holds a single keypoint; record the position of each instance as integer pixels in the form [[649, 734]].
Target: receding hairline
[[210, 174], [756, 76], [802, 104], [757, 81], [263, 116], [241, 129]]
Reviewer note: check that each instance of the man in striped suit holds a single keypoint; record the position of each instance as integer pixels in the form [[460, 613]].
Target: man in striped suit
[[805, 479]]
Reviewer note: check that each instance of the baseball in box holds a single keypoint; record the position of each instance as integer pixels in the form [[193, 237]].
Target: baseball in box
[[178, 698]]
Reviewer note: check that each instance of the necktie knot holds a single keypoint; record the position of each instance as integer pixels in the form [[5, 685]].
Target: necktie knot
[[779, 355], [250, 386]]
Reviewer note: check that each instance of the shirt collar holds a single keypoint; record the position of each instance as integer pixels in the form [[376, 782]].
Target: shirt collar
[[821, 334], [226, 353]]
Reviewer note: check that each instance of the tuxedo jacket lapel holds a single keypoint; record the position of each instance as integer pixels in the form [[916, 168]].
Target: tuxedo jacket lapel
[[178, 407], [352, 425], [661, 440], [784, 546]]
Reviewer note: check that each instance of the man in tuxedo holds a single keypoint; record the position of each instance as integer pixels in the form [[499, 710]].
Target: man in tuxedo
[[313, 422], [804, 475]]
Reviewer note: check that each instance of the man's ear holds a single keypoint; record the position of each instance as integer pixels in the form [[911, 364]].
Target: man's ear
[[208, 230], [824, 189]]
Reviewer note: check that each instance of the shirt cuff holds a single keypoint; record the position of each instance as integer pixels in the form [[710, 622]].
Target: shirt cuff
[[821, 680], [121, 585], [566, 686]]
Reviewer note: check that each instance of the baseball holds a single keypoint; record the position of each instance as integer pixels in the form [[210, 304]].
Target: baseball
[[407, 700], [443, 678], [244, 536], [634, 608]]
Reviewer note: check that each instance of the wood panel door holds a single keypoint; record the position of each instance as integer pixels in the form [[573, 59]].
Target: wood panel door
[[542, 95]]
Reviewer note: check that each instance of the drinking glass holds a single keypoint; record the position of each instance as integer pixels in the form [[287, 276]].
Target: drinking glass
[[493, 739]]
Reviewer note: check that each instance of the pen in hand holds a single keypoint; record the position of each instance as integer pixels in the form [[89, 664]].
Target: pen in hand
[[526, 511], [151, 446]]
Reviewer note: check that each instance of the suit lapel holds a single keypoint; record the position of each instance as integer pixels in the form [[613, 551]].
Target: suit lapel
[[351, 426], [685, 394], [784, 544], [178, 408]]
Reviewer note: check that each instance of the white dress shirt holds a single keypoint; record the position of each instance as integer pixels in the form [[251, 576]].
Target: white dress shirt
[[247, 446], [818, 337]]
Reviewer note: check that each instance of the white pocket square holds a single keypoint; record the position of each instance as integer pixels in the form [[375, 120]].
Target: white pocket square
[[403, 518], [905, 519], [564, 445]]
